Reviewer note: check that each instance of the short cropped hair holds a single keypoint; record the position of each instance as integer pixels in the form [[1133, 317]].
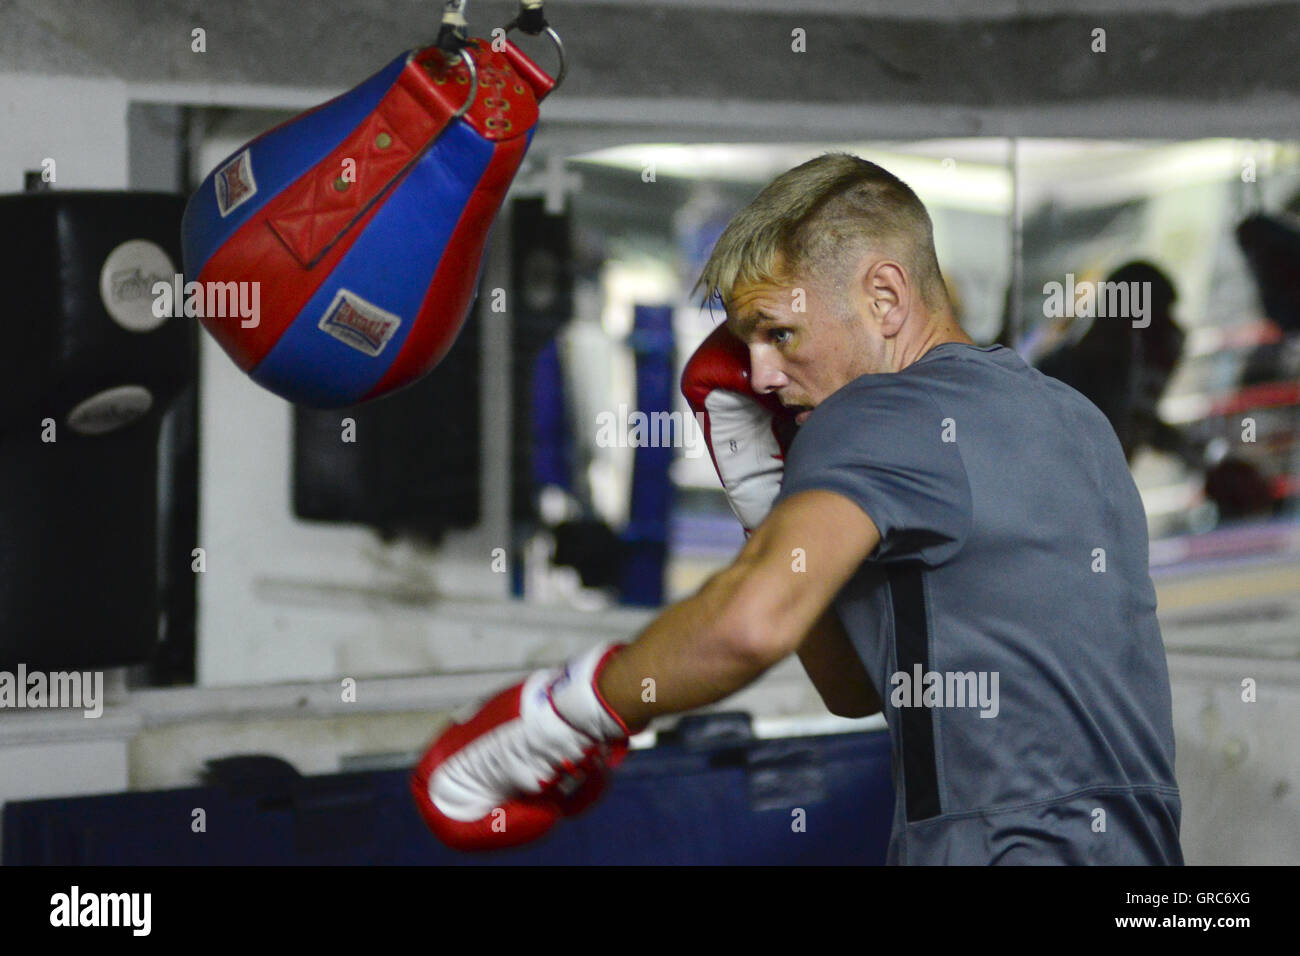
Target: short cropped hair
[[816, 221]]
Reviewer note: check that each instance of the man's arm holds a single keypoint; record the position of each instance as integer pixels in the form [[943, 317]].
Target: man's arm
[[836, 671], [542, 749], [749, 616]]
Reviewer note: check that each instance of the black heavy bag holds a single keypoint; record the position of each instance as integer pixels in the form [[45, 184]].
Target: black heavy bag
[[87, 372]]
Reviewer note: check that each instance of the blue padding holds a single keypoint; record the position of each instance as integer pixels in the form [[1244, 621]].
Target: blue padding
[[646, 533], [391, 266], [667, 806], [552, 441]]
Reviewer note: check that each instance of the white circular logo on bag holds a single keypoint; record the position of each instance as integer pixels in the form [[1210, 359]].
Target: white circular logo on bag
[[110, 409], [126, 283]]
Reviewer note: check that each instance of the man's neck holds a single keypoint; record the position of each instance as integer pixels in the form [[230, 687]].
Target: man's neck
[[938, 331]]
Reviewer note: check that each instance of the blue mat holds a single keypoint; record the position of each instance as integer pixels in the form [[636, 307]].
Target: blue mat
[[725, 804]]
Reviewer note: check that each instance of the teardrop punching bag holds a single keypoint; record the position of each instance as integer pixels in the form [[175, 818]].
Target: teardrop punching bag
[[353, 235]]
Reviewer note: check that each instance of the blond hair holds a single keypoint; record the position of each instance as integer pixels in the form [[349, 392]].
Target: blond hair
[[816, 221]]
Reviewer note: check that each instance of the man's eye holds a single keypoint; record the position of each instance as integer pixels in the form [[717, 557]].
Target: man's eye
[[781, 336]]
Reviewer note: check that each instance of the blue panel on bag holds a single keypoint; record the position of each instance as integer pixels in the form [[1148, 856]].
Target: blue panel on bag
[[390, 267]]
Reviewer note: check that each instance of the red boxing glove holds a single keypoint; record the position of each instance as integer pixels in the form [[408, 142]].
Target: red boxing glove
[[534, 753], [748, 434]]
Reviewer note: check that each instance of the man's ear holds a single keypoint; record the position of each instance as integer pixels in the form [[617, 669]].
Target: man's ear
[[888, 289]]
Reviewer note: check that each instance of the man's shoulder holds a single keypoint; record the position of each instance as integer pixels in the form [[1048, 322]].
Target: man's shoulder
[[898, 389], [881, 402], [946, 362], [874, 418]]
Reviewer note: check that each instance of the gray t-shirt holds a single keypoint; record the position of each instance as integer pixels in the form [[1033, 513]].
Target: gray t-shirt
[[1007, 617]]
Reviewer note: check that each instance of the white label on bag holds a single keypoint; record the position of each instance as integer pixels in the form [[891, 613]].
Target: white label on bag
[[358, 323], [126, 284], [235, 184], [110, 410]]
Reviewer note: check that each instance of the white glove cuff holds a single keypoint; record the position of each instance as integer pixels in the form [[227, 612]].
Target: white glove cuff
[[577, 701]]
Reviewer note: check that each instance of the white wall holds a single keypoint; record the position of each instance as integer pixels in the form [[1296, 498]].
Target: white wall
[[1237, 760], [80, 124]]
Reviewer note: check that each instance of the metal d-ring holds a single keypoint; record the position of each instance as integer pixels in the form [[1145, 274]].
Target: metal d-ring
[[559, 48], [473, 85]]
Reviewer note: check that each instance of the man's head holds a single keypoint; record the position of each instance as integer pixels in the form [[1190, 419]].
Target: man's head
[[830, 273]]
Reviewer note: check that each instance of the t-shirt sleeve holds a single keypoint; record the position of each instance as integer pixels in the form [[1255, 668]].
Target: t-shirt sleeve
[[890, 451]]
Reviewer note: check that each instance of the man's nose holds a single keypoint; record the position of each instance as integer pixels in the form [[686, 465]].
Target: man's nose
[[765, 374]]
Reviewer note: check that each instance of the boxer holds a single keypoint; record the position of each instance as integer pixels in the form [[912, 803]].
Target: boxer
[[951, 532]]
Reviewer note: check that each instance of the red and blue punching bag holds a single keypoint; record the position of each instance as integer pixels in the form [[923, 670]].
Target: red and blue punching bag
[[363, 223]]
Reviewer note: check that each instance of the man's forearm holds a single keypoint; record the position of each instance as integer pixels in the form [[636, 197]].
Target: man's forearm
[[690, 655]]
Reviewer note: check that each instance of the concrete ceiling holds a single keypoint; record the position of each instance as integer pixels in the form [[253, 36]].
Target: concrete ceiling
[[971, 67]]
